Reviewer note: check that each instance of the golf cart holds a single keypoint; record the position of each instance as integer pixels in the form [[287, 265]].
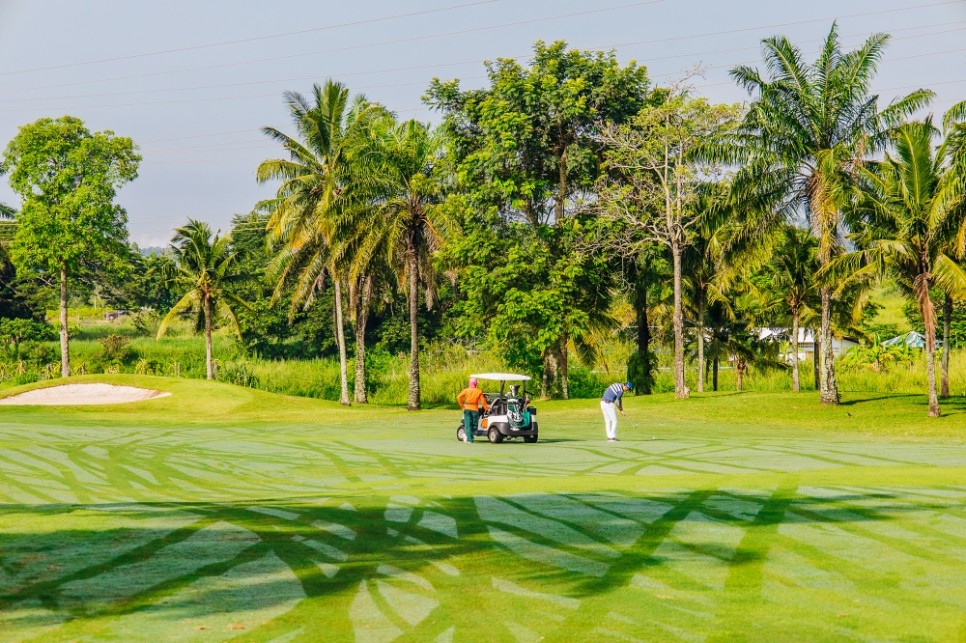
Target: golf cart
[[510, 416]]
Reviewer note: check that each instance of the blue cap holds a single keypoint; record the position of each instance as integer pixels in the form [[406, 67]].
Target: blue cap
[[629, 385]]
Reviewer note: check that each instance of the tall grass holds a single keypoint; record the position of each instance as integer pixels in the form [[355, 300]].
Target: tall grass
[[444, 369], [897, 379]]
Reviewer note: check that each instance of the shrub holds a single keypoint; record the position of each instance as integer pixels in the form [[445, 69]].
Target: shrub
[[116, 349], [584, 383], [27, 377], [878, 357]]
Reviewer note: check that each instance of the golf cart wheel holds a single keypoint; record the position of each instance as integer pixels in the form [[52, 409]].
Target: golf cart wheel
[[530, 439], [494, 436], [461, 434]]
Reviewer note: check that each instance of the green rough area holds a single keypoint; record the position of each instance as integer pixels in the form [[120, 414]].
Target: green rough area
[[225, 513]]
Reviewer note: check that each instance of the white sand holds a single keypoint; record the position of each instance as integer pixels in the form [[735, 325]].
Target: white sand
[[67, 394]]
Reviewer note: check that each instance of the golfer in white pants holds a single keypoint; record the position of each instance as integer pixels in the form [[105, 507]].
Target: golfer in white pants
[[612, 397]]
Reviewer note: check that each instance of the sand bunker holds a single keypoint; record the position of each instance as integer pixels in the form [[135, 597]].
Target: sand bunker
[[67, 394]]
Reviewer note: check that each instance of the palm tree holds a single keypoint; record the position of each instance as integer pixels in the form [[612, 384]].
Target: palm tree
[[808, 127], [911, 216], [409, 223], [315, 194], [954, 149], [206, 266], [705, 267], [795, 263]]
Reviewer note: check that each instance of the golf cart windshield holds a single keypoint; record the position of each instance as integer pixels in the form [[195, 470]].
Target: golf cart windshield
[[503, 378]]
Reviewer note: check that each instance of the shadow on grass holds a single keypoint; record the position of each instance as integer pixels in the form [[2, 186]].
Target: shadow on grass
[[99, 561], [956, 404]]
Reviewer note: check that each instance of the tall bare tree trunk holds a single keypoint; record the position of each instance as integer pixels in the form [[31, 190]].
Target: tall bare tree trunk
[[714, 374], [680, 387], [545, 379], [928, 313], [796, 386], [564, 389], [340, 340], [700, 327], [934, 411], [414, 395], [816, 346], [363, 299], [209, 357], [947, 331], [64, 333], [828, 389]]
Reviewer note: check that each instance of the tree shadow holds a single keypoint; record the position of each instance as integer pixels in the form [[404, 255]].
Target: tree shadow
[[188, 560]]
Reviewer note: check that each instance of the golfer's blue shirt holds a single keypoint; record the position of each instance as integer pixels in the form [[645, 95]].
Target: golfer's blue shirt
[[613, 393]]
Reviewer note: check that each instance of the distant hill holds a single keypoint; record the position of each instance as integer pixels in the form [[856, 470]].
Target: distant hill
[[153, 250]]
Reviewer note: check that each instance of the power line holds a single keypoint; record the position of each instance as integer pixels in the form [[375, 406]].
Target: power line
[[242, 84], [444, 64], [239, 41], [202, 100], [352, 47], [862, 14], [402, 84]]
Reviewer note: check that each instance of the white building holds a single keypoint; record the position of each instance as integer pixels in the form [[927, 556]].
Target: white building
[[806, 342]]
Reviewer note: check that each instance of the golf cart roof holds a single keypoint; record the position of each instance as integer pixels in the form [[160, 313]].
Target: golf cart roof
[[501, 376]]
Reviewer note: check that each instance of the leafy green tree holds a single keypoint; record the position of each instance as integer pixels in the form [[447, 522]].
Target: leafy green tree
[[808, 126], [17, 331], [315, 193], [909, 215], [152, 281], [13, 302], [656, 183], [207, 267], [267, 330], [69, 224], [526, 147]]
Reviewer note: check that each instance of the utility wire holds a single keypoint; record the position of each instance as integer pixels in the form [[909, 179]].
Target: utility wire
[[445, 64], [385, 85], [239, 41], [528, 21], [354, 47]]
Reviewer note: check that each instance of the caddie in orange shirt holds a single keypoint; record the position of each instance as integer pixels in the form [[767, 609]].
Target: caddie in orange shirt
[[469, 400]]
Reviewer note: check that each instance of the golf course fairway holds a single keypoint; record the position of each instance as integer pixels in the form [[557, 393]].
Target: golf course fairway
[[221, 513]]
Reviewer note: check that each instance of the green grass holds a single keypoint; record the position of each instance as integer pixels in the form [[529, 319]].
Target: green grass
[[222, 512]]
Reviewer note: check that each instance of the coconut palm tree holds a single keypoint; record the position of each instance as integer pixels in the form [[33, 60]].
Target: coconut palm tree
[[795, 263], [913, 224], [807, 128], [954, 149], [409, 222], [206, 266], [315, 193]]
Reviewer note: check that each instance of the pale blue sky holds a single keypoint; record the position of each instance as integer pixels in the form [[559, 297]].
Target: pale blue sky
[[193, 81]]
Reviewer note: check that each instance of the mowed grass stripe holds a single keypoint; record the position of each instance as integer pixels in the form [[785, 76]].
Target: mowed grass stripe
[[366, 522]]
